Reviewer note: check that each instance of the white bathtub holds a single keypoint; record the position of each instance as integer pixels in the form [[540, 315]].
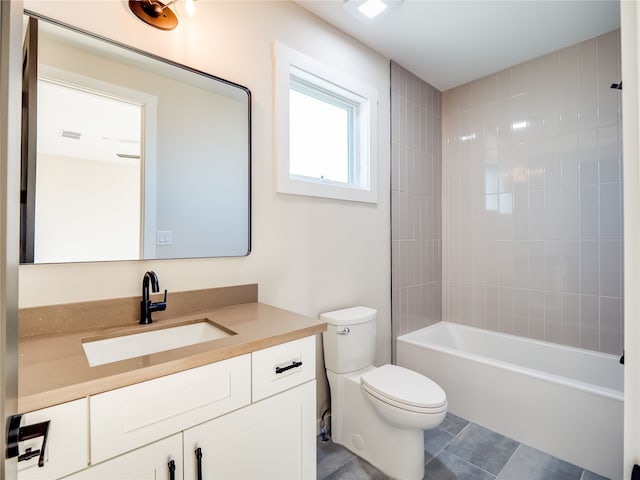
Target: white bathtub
[[565, 401]]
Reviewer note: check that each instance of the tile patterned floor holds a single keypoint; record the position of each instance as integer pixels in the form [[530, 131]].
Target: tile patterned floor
[[459, 450]]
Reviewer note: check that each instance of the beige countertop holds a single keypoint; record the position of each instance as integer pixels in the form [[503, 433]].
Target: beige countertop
[[54, 369]]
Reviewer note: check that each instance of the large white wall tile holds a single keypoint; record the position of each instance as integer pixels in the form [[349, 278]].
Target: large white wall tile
[[611, 268], [536, 314], [553, 271], [570, 267], [611, 325], [570, 214], [536, 214], [589, 267], [609, 154], [553, 317], [588, 156], [610, 218], [589, 212], [587, 107], [571, 319], [536, 265], [552, 214]]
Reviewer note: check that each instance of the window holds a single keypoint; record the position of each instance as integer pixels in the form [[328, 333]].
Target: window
[[326, 129]]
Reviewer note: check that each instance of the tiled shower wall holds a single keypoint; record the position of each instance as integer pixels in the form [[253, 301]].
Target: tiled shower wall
[[532, 199], [416, 206]]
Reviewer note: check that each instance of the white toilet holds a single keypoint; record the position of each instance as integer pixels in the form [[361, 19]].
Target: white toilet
[[380, 414]]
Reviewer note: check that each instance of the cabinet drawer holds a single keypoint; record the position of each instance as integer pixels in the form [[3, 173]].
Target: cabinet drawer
[[283, 366], [129, 417], [67, 442]]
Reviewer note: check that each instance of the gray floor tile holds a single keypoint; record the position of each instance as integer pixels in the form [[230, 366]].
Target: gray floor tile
[[447, 466], [330, 457], [587, 475], [486, 449], [357, 469], [533, 464], [434, 441], [453, 424]]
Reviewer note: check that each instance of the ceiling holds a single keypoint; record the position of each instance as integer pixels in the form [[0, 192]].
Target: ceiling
[[450, 43], [67, 127]]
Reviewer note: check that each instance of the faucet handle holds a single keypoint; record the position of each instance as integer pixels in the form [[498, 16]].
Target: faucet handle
[[159, 306]]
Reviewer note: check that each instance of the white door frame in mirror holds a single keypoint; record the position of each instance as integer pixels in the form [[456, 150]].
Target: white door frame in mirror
[[148, 151]]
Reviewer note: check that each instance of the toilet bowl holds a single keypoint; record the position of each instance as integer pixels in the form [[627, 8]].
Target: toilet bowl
[[405, 398], [379, 413]]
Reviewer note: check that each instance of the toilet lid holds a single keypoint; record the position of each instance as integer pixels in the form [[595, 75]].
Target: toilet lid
[[404, 387]]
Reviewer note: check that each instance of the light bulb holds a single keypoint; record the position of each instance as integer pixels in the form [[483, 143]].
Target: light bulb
[[189, 7], [372, 8]]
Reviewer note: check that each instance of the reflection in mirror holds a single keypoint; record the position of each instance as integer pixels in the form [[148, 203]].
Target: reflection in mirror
[[135, 157], [88, 177]]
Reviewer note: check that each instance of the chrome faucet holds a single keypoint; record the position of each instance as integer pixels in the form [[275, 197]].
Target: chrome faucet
[[146, 305]]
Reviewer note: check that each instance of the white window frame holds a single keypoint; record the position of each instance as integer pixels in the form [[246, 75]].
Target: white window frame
[[290, 63]]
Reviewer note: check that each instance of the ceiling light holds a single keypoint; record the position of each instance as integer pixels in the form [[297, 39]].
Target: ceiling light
[[372, 8]]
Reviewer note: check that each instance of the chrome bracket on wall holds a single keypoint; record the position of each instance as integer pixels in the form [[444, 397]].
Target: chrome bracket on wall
[[19, 434]]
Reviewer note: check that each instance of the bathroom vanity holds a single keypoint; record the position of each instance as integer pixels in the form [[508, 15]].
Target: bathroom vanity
[[241, 406]]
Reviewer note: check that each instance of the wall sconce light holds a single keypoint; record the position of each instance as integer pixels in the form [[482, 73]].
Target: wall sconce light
[[158, 14]]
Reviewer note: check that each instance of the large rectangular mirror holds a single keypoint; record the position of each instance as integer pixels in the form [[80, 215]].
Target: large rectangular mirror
[[128, 156]]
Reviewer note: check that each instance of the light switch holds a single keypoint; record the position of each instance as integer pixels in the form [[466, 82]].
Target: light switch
[[164, 237]]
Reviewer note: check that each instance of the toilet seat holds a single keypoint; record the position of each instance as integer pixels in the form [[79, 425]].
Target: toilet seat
[[405, 389]]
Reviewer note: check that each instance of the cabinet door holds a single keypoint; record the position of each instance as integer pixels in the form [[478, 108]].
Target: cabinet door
[[67, 441], [146, 463], [271, 439]]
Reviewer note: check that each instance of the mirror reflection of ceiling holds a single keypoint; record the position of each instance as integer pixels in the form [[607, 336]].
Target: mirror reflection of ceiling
[[448, 43], [74, 131]]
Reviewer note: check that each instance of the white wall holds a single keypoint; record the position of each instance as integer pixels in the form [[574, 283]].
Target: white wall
[[96, 218], [309, 255]]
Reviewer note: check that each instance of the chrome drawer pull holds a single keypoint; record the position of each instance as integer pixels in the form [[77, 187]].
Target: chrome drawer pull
[[288, 367]]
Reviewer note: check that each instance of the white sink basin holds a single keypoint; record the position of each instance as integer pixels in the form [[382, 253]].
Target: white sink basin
[[113, 349]]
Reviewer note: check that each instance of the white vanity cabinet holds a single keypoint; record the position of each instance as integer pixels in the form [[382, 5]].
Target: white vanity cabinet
[[146, 463], [251, 416]]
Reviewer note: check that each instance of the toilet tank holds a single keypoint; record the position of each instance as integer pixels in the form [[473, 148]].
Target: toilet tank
[[350, 339]]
